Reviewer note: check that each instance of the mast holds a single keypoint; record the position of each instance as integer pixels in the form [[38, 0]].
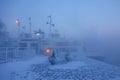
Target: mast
[[50, 24], [18, 25], [29, 25]]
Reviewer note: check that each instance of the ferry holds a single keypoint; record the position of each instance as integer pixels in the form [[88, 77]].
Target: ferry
[[40, 43]]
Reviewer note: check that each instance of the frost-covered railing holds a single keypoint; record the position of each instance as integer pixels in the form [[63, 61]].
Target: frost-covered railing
[[15, 53]]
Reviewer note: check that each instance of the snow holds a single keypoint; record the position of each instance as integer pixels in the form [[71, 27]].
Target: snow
[[7, 68], [39, 68], [70, 65], [117, 78]]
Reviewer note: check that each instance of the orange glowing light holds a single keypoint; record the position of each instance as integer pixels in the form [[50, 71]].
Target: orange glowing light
[[48, 51]]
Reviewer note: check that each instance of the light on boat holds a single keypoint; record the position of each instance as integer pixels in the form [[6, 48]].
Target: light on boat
[[48, 51], [37, 34], [17, 22]]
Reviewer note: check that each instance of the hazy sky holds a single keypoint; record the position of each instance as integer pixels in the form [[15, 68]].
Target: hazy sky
[[71, 17]]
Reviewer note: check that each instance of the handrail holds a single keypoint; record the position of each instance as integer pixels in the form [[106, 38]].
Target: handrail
[[12, 53]]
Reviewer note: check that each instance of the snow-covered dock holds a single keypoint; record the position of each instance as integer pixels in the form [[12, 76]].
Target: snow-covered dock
[[39, 69]]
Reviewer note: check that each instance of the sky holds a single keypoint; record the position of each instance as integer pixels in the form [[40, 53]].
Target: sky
[[72, 18]]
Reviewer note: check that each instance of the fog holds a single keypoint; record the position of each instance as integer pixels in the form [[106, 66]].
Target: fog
[[92, 22], [59, 39]]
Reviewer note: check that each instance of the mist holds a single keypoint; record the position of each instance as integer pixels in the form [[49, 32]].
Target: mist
[[95, 21], [93, 25]]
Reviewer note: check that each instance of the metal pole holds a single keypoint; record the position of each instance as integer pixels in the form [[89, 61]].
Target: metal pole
[[6, 54], [30, 26], [50, 23], [19, 30], [18, 24]]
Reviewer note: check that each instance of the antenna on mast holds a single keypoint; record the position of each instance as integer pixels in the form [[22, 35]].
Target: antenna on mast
[[50, 24]]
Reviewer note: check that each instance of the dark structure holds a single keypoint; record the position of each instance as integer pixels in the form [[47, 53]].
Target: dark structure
[[52, 58]]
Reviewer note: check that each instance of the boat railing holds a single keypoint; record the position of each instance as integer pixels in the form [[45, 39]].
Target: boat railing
[[15, 53]]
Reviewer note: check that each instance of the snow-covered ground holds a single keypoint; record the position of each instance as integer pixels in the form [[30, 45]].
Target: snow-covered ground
[[19, 66], [39, 68]]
